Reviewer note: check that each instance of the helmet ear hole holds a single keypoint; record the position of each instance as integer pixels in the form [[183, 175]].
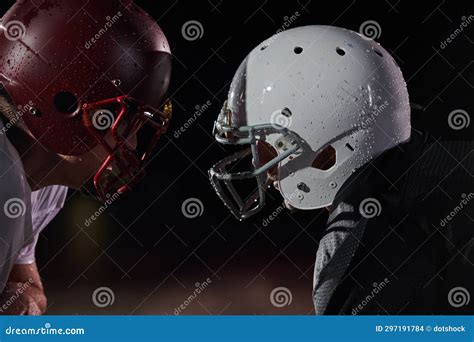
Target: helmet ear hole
[[326, 159], [66, 102]]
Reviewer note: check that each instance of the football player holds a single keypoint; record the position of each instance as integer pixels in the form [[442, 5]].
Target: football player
[[82, 99], [324, 114]]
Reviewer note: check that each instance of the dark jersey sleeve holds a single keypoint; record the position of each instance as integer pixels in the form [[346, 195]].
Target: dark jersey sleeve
[[400, 238]]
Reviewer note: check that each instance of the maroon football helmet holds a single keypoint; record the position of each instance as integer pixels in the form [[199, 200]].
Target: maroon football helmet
[[90, 68]]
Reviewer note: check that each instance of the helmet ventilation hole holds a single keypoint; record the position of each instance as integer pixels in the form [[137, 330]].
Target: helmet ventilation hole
[[378, 52], [66, 102], [298, 50], [286, 112], [349, 146], [340, 51]]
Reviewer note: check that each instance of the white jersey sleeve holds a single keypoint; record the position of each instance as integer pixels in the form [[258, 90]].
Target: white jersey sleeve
[[16, 228], [45, 205]]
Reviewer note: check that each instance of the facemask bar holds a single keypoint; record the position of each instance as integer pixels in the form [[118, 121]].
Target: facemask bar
[[122, 169], [219, 176]]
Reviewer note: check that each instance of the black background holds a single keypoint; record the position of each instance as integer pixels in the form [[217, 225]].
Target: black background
[[148, 253]]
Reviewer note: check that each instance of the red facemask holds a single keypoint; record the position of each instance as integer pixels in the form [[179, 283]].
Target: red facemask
[[124, 166]]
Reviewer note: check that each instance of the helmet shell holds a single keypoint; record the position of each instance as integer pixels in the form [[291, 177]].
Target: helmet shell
[[331, 87]]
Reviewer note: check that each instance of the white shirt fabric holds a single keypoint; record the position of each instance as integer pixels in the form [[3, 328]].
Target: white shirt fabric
[[46, 203], [23, 214]]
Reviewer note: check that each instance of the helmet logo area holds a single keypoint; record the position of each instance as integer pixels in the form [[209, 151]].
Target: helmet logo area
[[103, 119]]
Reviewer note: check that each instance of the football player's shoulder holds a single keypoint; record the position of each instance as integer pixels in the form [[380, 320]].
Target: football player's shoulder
[[15, 207], [12, 175], [15, 192]]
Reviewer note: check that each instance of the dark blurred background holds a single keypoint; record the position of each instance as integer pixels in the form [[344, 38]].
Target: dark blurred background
[[149, 254]]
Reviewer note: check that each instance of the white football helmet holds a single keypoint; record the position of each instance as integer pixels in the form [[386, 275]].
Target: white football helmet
[[308, 92]]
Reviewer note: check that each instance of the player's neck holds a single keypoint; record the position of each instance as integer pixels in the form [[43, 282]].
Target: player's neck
[[42, 167]]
